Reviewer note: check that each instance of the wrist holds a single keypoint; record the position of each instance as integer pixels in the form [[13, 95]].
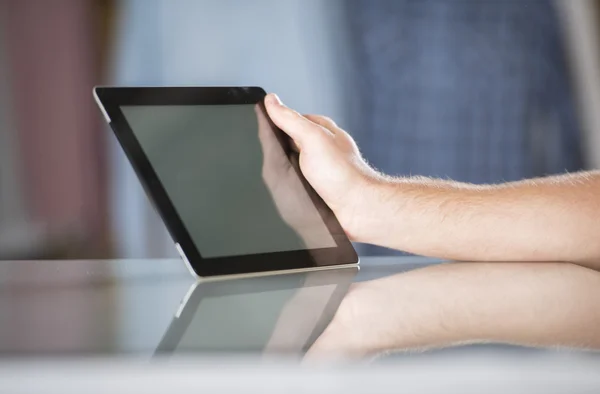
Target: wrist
[[372, 211], [356, 214]]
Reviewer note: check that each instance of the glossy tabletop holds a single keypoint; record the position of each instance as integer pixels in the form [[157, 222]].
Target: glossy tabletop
[[148, 307], [54, 314]]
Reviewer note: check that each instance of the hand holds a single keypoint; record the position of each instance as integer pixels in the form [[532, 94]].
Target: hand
[[331, 163], [285, 185]]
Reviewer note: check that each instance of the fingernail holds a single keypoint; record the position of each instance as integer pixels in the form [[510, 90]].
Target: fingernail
[[274, 99]]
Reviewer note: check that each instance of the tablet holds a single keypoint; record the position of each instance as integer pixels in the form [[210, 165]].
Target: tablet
[[224, 179], [269, 315]]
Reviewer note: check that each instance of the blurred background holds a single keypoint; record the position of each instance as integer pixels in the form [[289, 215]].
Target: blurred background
[[478, 91]]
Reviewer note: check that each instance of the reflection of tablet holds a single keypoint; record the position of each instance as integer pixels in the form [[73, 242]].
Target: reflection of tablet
[[224, 180], [272, 314]]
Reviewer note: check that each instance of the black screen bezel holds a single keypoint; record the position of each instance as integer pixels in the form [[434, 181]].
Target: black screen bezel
[[112, 98]]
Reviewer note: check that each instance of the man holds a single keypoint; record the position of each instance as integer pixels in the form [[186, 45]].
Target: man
[[548, 219]]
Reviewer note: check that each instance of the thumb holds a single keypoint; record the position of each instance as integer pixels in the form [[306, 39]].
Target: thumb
[[299, 128]]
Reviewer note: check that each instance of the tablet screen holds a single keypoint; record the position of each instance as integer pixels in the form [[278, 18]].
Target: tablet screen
[[231, 177]]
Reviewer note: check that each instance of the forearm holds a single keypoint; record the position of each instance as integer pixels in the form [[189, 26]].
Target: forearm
[[534, 304], [549, 219]]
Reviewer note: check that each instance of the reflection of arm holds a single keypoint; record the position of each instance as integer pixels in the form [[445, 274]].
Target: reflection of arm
[[539, 304], [298, 211]]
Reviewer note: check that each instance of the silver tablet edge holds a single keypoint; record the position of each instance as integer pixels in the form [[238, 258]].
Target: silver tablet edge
[[102, 109], [257, 274]]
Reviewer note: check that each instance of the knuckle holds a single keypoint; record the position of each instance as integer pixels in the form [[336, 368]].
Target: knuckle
[[327, 119]]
